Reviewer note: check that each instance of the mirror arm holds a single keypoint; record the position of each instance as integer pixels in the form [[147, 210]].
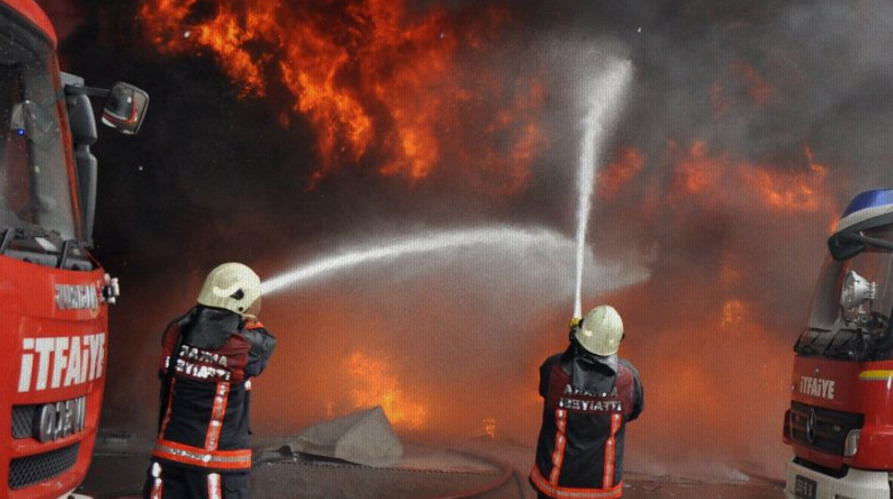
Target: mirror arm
[[88, 91]]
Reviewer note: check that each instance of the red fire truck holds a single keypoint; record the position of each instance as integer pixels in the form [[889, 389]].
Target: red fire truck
[[840, 423], [54, 295]]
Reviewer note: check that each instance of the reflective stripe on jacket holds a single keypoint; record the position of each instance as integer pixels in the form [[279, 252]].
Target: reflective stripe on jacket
[[207, 359], [580, 445]]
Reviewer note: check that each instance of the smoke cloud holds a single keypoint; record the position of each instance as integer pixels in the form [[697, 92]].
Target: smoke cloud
[[746, 130]]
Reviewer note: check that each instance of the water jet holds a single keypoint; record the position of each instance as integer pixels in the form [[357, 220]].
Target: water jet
[[514, 241], [603, 97]]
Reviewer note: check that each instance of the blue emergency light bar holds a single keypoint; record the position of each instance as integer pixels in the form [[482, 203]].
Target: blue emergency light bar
[[869, 199]]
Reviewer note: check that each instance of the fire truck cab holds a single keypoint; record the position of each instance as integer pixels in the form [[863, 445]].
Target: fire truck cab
[[54, 295], [840, 422]]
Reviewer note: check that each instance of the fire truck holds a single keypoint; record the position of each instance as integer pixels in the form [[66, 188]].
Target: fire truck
[[840, 422], [54, 295]]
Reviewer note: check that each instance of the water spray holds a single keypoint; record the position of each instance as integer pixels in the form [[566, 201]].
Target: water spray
[[516, 239], [603, 95]]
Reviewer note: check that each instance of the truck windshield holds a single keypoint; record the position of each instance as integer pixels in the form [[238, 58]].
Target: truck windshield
[[35, 193], [852, 305]]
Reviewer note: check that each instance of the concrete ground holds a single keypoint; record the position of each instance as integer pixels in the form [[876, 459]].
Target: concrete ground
[[480, 468]]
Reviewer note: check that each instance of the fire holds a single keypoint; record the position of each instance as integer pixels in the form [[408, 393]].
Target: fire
[[733, 312], [730, 235], [378, 81], [799, 190], [756, 87], [707, 347], [373, 383], [620, 172], [695, 172], [722, 179], [490, 427], [741, 82], [225, 35]]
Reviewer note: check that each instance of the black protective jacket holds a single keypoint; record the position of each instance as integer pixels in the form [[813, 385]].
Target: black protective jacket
[[587, 402], [208, 356]]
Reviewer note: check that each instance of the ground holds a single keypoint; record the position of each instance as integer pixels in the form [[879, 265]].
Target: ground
[[477, 468]]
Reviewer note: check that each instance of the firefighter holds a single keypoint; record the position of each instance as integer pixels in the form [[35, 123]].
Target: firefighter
[[208, 356], [589, 396]]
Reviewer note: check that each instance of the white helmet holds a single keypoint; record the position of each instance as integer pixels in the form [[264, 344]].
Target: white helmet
[[232, 286], [601, 331]]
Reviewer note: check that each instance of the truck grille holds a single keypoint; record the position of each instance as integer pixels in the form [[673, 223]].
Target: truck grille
[[50, 421], [23, 420], [28, 470], [827, 430]]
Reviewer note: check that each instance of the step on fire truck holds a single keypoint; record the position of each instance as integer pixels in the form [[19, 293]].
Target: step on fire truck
[[54, 295], [840, 423]]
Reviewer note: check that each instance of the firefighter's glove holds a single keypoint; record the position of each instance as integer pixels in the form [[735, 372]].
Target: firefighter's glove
[[574, 324]]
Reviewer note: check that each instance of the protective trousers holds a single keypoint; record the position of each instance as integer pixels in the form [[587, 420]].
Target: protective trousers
[[167, 481]]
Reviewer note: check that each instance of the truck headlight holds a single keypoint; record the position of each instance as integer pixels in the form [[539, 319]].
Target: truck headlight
[[851, 444]]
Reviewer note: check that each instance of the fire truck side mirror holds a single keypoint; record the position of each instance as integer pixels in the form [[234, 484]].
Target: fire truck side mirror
[[125, 108]]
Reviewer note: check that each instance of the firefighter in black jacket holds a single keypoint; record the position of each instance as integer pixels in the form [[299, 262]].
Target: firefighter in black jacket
[[203, 447], [589, 396]]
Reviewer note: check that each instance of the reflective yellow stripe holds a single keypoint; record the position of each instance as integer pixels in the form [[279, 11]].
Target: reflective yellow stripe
[[876, 375]]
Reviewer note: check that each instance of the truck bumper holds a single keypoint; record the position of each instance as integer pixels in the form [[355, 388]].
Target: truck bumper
[[857, 484], [73, 495]]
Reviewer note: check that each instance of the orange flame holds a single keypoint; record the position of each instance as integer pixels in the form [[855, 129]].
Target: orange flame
[[620, 172], [375, 81], [226, 35], [757, 88], [490, 427], [733, 313], [373, 383], [721, 179], [708, 387], [746, 84], [696, 172], [795, 191]]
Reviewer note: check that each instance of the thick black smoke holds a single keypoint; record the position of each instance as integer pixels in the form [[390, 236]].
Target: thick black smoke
[[213, 177]]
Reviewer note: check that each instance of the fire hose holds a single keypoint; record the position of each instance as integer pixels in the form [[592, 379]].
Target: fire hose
[[507, 473]]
